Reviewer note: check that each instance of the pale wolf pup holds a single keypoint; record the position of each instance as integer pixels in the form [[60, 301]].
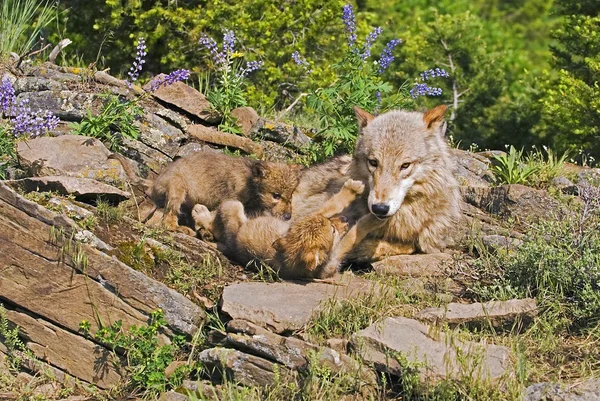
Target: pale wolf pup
[[209, 178], [411, 193], [296, 250]]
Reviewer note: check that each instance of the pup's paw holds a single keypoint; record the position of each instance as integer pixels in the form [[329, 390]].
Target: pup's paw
[[357, 187], [201, 215]]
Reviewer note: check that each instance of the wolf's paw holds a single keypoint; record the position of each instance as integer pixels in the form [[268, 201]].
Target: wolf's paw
[[355, 186], [202, 216]]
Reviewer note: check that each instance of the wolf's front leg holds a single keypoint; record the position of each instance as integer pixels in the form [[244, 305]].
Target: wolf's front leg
[[353, 237]]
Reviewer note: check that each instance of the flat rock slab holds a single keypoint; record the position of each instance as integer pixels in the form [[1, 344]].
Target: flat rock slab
[[187, 99], [84, 189], [428, 349], [586, 391], [417, 265], [498, 313], [288, 306], [70, 155]]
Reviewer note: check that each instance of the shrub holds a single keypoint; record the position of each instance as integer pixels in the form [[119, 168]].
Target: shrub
[[20, 24], [511, 168]]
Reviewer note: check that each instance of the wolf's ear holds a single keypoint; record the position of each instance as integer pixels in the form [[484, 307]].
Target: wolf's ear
[[363, 117], [278, 245], [258, 169], [312, 260], [434, 118]]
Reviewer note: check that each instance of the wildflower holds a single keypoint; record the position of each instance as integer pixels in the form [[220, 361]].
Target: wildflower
[[350, 22], [435, 72], [219, 57], [251, 66], [228, 42], [134, 71], [301, 61], [369, 42], [175, 76], [425, 90], [386, 55], [7, 96]]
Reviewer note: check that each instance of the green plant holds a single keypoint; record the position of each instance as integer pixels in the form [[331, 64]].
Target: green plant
[[20, 24], [108, 213], [7, 151], [146, 360], [115, 121], [16, 349], [511, 168], [548, 165]]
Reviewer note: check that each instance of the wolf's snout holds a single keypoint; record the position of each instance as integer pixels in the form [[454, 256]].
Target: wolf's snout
[[380, 209], [287, 216]]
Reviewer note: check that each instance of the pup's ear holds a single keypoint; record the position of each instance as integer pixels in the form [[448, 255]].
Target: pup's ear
[[434, 118], [279, 245], [312, 260], [258, 169], [363, 117]]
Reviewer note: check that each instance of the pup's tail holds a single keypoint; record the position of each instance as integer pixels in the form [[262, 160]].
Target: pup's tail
[[135, 179]]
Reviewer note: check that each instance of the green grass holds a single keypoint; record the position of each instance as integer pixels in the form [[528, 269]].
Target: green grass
[[21, 22]]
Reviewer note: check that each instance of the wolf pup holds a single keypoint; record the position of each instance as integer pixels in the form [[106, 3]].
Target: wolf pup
[[208, 178], [412, 195], [296, 250]]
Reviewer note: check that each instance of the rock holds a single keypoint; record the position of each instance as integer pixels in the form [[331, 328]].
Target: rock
[[284, 134], [70, 155], [66, 105], [285, 307], [471, 169], [245, 117], [417, 265], [187, 99], [192, 147], [36, 84], [428, 350], [497, 313], [590, 176], [47, 390], [203, 389], [514, 200], [277, 153], [247, 370], [65, 283], [53, 72], [172, 396], [173, 118], [291, 352], [497, 242], [338, 344], [586, 391], [561, 182], [152, 158], [210, 135], [72, 353], [84, 189], [158, 134]]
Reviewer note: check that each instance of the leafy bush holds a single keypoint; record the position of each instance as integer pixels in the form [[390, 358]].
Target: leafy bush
[[511, 168], [20, 24]]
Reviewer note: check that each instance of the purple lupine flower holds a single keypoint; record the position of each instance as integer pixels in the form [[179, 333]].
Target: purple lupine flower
[[369, 42], [7, 96], [424, 90], [386, 55], [434, 72], [252, 66], [301, 61], [175, 76], [228, 42], [378, 96], [134, 71], [350, 22], [219, 58], [34, 124]]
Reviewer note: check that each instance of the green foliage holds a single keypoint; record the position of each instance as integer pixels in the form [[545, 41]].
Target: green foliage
[[7, 151], [146, 360], [20, 24], [549, 166], [10, 338], [558, 264], [115, 121], [511, 168]]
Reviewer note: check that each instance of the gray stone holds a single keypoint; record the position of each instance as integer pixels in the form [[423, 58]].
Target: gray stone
[[150, 157], [496, 242], [158, 134], [497, 313], [172, 396], [187, 99], [433, 352], [417, 265], [561, 182], [70, 155], [173, 118], [66, 105], [586, 391], [472, 170], [285, 307], [247, 370], [36, 84], [284, 134], [83, 189], [192, 147]]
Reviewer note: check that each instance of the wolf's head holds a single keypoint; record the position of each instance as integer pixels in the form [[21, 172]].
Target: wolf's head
[[396, 153], [275, 184]]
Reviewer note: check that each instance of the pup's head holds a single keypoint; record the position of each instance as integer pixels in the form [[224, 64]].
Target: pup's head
[[275, 183], [309, 241], [396, 152]]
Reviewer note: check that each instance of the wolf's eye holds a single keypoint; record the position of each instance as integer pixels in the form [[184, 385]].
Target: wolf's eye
[[373, 163], [276, 196], [404, 166]]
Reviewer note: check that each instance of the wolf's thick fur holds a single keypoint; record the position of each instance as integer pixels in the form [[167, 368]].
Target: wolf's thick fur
[[296, 250], [209, 178], [412, 195]]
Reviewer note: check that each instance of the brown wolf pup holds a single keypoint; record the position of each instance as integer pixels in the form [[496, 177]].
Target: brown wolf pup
[[296, 250], [209, 178], [412, 195]]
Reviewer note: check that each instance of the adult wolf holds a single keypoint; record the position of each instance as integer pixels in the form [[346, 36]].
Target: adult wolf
[[411, 197]]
